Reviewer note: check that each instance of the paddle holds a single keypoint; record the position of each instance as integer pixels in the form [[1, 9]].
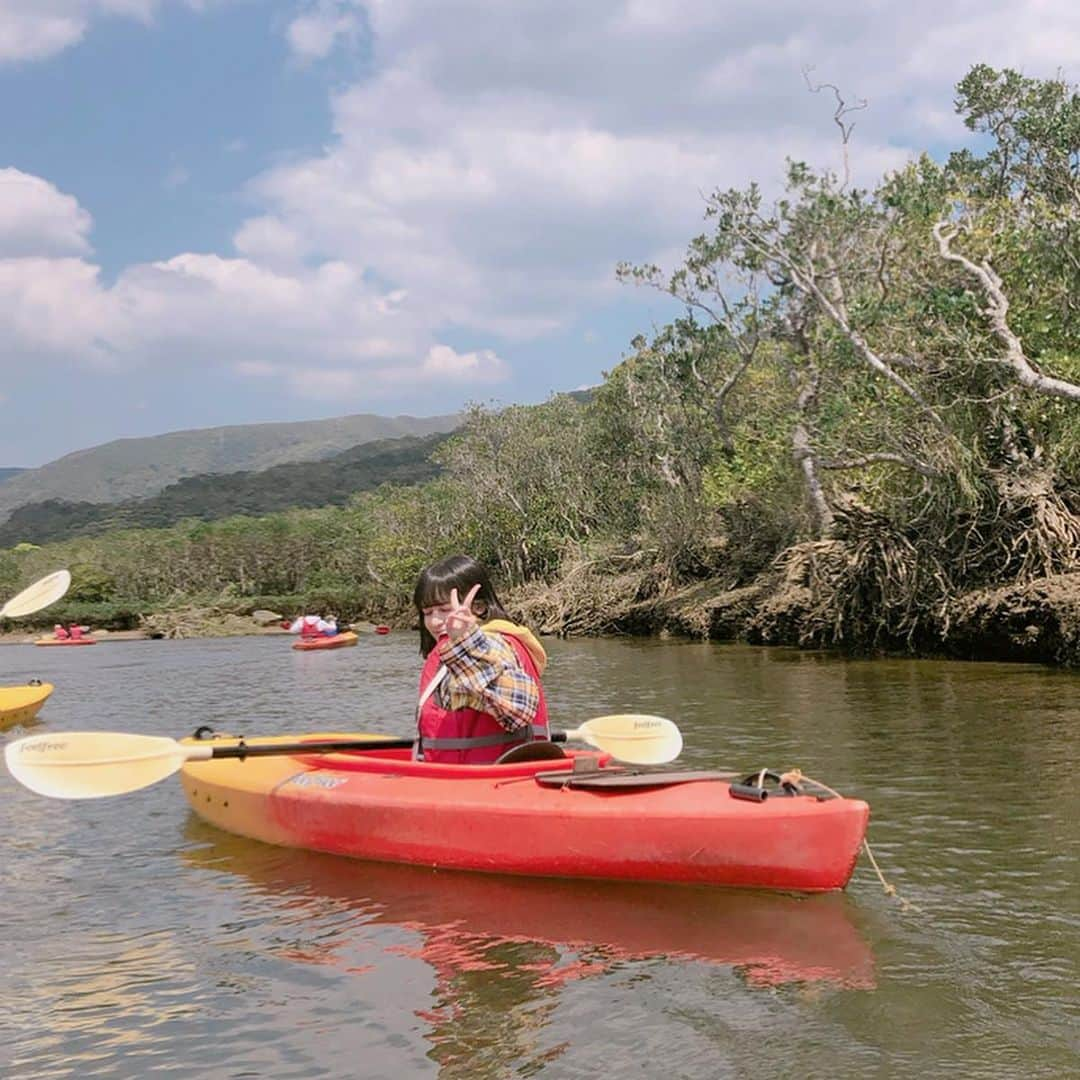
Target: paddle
[[93, 764], [37, 596]]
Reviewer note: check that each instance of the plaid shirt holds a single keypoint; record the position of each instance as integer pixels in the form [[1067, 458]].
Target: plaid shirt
[[484, 673]]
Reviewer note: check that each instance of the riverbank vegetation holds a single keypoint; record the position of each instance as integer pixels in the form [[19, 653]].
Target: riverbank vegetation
[[863, 432]]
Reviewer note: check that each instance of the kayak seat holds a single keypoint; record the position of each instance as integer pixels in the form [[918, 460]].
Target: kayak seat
[[538, 750]]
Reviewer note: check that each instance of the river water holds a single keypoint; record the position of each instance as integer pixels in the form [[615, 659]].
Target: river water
[[139, 941]]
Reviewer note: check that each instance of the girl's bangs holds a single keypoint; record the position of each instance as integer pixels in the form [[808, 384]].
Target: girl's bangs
[[432, 594]]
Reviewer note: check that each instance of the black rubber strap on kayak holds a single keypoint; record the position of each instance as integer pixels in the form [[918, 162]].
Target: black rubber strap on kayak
[[620, 779]]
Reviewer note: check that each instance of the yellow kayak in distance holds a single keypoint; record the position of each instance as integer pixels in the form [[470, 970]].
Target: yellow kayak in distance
[[20, 704]]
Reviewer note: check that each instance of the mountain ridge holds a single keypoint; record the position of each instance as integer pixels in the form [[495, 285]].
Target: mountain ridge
[[297, 485], [137, 467]]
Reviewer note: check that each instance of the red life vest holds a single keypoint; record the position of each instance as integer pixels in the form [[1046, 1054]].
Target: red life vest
[[75, 633], [469, 736], [310, 629]]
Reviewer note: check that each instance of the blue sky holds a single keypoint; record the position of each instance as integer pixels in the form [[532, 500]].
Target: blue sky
[[231, 211]]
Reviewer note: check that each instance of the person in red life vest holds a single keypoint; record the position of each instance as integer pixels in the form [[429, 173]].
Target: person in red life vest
[[60, 633], [480, 691], [308, 626], [75, 631]]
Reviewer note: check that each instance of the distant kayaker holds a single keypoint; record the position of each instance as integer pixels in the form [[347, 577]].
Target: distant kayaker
[[60, 633], [480, 691], [311, 626], [75, 631]]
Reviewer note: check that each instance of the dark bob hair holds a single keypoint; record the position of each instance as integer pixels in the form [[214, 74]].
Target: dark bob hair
[[435, 584]]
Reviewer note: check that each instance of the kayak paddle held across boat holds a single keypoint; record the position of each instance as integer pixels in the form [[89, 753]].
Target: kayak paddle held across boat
[[575, 815]]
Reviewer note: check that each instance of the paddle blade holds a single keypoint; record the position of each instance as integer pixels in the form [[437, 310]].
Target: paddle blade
[[635, 738], [37, 596], [92, 764]]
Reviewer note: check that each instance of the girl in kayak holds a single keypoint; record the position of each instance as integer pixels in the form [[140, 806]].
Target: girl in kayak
[[480, 690]]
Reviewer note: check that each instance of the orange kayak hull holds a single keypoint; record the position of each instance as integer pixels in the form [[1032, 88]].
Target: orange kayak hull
[[380, 805], [338, 641]]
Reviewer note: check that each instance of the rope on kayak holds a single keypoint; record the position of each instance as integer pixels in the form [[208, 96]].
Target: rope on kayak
[[796, 778]]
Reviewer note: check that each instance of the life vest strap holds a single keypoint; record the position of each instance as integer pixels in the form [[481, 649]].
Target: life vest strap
[[476, 741]]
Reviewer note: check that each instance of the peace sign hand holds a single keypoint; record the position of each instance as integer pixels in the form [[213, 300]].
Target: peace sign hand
[[460, 619]]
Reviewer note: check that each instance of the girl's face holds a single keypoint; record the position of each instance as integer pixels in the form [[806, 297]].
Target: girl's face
[[454, 614], [435, 618]]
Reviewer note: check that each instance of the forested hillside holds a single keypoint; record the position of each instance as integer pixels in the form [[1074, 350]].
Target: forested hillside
[[135, 468], [208, 498]]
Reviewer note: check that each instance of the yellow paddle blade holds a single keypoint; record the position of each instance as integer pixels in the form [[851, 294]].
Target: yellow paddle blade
[[93, 764], [635, 738], [37, 596]]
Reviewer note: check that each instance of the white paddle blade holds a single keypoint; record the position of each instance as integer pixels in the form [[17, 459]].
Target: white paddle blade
[[37, 596], [93, 764], [635, 738]]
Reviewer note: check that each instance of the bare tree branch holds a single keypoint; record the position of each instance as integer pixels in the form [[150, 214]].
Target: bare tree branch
[[858, 461], [842, 109], [997, 311], [805, 456], [804, 281]]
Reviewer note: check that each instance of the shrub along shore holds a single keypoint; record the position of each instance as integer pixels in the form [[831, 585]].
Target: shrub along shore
[[1038, 622]]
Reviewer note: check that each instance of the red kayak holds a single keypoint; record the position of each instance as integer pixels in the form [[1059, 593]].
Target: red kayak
[[65, 641], [581, 816], [338, 641]]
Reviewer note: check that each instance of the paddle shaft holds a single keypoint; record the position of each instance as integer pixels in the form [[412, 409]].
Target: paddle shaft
[[315, 746], [322, 746]]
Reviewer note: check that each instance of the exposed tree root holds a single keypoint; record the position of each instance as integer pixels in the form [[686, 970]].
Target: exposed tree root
[[1034, 620]]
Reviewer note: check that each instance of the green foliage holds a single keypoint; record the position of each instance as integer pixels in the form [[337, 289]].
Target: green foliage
[[100, 615], [90, 584]]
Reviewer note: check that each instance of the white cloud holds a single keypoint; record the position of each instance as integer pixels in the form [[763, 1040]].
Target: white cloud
[[268, 239], [55, 306], [321, 329], [36, 218], [442, 362], [324, 24], [37, 29]]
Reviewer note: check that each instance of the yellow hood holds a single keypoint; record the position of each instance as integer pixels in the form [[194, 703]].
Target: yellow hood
[[524, 635]]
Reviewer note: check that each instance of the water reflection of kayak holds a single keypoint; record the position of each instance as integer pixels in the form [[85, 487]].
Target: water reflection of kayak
[[771, 938]]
